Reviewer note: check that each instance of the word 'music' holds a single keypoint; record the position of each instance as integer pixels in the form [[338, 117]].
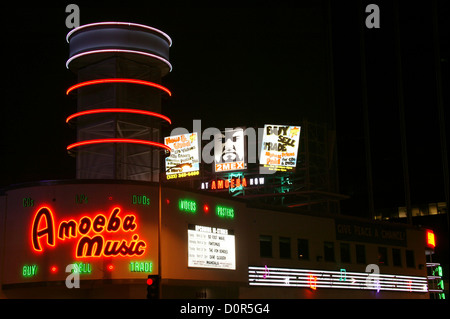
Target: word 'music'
[[43, 231]]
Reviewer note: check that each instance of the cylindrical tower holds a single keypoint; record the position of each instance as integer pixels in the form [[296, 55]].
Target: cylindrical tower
[[118, 119]]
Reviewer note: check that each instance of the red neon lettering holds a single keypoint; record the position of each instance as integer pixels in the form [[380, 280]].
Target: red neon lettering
[[67, 229], [99, 223], [213, 185], [86, 245], [85, 225], [220, 184], [48, 231], [431, 242], [244, 182], [128, 223], [114, 221], [89, 245], [109, 248]]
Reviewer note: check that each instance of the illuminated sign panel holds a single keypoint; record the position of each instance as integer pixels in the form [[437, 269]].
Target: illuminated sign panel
[[187, 205], [98, 228], [431, 241], [317, 279], [229, 150], [184, 157], [211, 247], [279, 148]]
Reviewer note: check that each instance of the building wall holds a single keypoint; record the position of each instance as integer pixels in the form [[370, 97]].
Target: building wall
[[222, 279]]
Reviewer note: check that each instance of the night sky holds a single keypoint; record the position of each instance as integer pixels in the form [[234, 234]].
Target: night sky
[[246, 66]]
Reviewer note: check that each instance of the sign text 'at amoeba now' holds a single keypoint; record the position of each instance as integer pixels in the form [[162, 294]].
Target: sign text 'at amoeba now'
[[46, 232], [233, 183]]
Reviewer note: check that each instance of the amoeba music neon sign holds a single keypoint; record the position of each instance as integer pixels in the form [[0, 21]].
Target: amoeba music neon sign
[[317, 279], [89, 234]]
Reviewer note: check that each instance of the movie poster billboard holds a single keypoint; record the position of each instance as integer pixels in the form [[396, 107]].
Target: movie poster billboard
[[184, 157], [279, 148], [229, 150]]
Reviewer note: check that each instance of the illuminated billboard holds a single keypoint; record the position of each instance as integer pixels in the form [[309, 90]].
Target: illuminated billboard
[[211, 247], [184, 156], [100, 229], [229, 150], [279, 148]]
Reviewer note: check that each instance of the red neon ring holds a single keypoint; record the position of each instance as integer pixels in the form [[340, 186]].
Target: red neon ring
[[118, 140], [97, 111], [118, 80]]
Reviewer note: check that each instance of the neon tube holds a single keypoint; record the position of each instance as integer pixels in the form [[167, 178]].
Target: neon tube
[[112, 110], [289, 277], [118, 80], [118, 140], [118, 51], [119, 23]]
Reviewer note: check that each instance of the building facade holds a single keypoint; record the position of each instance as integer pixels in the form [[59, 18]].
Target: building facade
[[207, 247], [103, 234]]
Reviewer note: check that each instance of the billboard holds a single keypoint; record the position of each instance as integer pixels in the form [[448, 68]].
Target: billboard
[[279, 148], [229, 150], [184, 157], [211, 247]]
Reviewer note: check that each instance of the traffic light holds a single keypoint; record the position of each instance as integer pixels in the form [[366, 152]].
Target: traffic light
[[153, 286]]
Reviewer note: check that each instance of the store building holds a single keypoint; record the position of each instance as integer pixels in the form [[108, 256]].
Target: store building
[[102, 235]]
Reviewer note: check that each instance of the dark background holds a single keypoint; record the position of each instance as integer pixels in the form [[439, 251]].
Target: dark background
[[248, 65]]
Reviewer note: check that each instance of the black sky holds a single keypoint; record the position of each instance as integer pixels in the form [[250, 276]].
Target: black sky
[[246, 66]]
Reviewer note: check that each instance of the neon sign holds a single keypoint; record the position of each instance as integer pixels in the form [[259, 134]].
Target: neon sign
[[118, 80], [431, 241], [91, 243], [140, 200], [141, 266], [233, 183], [317, 278], [29, 270], [187, 205], [27, 202]]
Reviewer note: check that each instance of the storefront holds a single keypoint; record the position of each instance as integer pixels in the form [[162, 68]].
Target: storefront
[[99, 239]]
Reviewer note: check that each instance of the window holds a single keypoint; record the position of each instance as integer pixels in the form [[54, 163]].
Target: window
[[360, 254], [382, 256], [410, 259], [285, 247], [396, 257], [265, 246], [345, 252], [302, 249], [328, 251]]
